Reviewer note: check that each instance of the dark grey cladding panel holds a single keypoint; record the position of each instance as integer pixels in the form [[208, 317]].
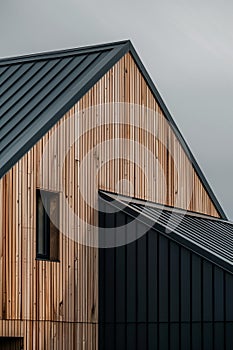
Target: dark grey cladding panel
[[207, 236], [37, 90], [155, 293]]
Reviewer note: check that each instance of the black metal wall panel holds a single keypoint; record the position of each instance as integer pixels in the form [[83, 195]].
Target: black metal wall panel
[[207, 287], [152, 282], [155, 293], [196, 277], [184, 285], [162, 278], [174, 336], [228, 298], [228, 339], [218, 294], [120, 277], [174, 282]]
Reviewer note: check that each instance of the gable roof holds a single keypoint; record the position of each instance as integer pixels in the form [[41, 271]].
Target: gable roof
[[37, 90], [212, 238]]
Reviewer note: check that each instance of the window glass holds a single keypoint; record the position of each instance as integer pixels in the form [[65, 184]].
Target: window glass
[[47, 235]]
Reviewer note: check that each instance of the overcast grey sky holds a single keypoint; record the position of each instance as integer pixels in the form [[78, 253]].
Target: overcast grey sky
[[187, 48]]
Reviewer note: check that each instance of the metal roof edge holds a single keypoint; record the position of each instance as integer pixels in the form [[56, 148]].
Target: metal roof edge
[[61, 53], [149, 203]]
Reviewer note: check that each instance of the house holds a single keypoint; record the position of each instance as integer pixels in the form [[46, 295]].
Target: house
[[110, 235]]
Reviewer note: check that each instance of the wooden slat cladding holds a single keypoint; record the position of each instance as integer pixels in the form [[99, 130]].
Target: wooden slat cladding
[[51, 335], [169, 178], [53, 303]]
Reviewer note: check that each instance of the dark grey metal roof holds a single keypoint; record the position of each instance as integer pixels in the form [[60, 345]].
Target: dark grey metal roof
[[208, 236], [37, 90]]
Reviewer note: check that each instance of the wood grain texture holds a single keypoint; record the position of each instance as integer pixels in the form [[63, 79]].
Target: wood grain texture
[[55, 305]]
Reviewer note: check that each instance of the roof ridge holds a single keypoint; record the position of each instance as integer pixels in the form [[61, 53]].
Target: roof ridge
[[53, 54]]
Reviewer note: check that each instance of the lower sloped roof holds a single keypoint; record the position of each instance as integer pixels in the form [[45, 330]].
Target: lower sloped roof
[[209, 237]]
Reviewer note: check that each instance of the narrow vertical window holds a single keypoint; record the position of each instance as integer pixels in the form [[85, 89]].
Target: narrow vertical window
[[47, 232]]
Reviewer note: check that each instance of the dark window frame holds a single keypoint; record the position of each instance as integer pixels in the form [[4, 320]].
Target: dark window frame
[[46, 226]]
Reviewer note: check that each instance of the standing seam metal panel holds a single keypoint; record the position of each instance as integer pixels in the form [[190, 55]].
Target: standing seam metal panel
[[46, 87]]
